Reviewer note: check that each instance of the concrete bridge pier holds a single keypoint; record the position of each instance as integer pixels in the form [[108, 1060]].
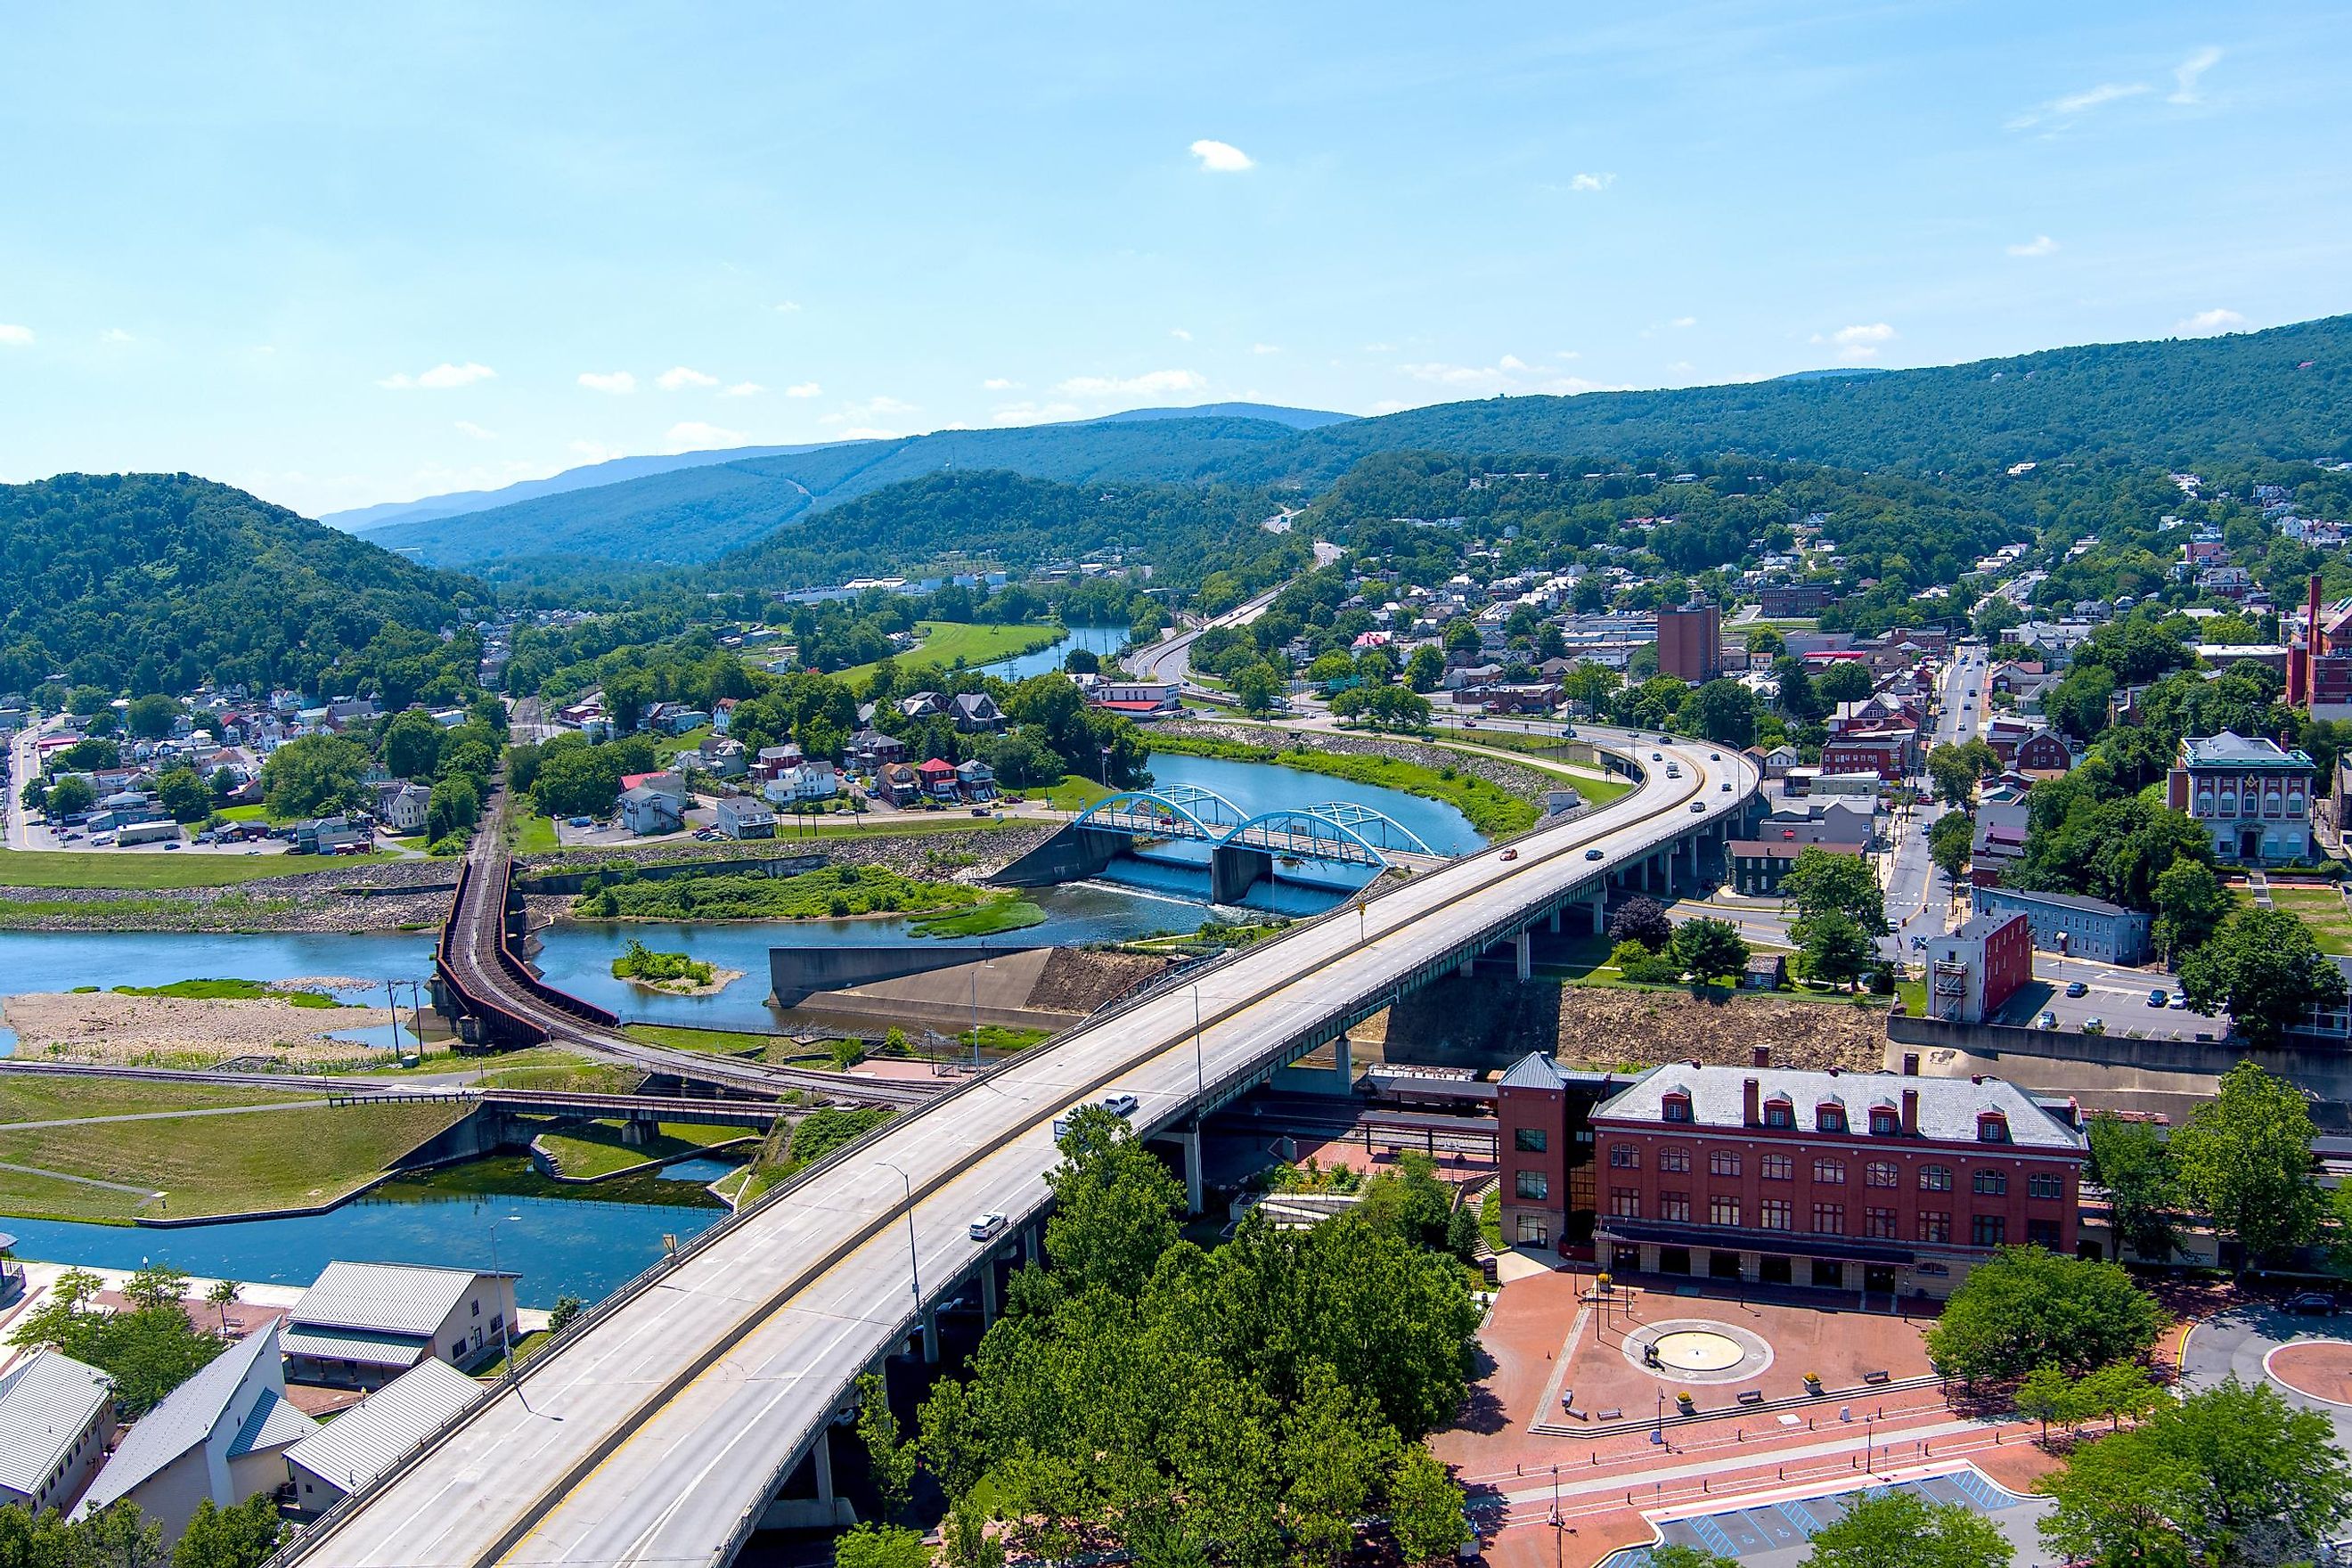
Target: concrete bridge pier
[[1599, 907], [931, 1336], [1523, 951], [1234, 869], [827, 1509], [1554, 922], [1194, 1178], [1469, 966], [988, 1307]]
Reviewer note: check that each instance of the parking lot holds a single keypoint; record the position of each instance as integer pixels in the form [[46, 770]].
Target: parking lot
[[2114, 995]]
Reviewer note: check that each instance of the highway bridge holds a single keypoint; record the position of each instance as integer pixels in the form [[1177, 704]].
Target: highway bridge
[[661, 1426], [481, 981]]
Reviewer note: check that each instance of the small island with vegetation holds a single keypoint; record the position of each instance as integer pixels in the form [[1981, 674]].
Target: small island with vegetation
[[833, 892], [672, 972]]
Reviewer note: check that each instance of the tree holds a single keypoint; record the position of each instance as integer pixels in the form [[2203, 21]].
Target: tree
[[2230, 1477], [1588, 685], [68, 796], [2121, 1392], [1255, 686], [1336, 668], [1643, 920], [117, 1537], [242, 1536], [2191, 904], [1425, 667], [566, 1308], [2244, 1160], [1798, 698], [1335, 1449], [1903, 1530], [221, 1296], [1424, 1508], [2134, 1164], [880, 1546], [2265, 969], [314, 775], [890, 1460], [1956, 769], [1767, 642], [1081, 661], [1114, 1205], [1462, 636], [1847, 681], [2027, 1307], [180, 791], [156, 1285], [1723, 711], [150, 717], [2047, 1395], [1709, 948], [412, 746], [1832, 946], [1821, 880], [454, 807], [1680, 1556], [1951, 840]]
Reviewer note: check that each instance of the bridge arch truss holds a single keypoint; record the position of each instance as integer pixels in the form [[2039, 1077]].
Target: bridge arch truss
[[1178, 811]]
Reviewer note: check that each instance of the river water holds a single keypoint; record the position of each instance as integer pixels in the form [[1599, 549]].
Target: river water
[[568, 1245], [1101, 641]]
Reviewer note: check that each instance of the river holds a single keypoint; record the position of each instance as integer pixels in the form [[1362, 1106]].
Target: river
[[1103, 642]]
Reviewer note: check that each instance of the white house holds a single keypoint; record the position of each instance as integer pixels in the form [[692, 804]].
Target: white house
[[362, 1324], [401, 807], [814, 780], [745, 816], [364, 1441], [222, 1435], [56, 1416]]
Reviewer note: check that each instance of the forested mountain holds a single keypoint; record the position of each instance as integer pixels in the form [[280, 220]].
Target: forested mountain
[[141, 583], [613, 471], [701, 513], [1017, 522], [2284, 393]]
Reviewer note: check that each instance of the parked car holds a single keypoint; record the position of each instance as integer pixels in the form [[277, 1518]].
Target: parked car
[[2179, 1003], [2310, 1302], [2156, 998], [985, 1226], [2076, 988], [2095, 1026], [2046, 1020]]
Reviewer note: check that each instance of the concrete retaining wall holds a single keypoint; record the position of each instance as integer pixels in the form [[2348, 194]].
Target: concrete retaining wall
[[1072, 855], [798, 973], [2115, 1069]]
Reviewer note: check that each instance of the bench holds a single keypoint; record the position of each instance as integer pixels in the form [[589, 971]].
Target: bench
[[1610, 1415], [1751, 1397], [1876, 1377]]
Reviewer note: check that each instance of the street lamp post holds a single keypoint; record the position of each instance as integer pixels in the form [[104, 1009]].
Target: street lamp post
[[914, 1259]]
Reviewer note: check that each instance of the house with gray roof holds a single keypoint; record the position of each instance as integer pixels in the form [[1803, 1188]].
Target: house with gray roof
[[57, 1416], [360, 1325], [222, 1435], [366, 1440]]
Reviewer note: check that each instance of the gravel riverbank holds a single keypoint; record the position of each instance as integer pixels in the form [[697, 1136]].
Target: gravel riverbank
[[185, 1031], [323, 897]]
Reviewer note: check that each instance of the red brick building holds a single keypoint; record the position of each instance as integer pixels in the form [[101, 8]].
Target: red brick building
[[1690, 642], [1973, 972], [1887, 755], [1870, 1182]]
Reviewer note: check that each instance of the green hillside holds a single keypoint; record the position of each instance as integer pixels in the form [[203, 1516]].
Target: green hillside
[[2286, 392], [154, 582]]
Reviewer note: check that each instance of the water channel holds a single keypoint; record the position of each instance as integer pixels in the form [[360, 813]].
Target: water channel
[[1101, 641], [561, 1243]]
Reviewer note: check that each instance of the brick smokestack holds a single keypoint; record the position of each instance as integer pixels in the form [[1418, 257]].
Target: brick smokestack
[[1751, 1107], [2300, 673], [1910, 1113]]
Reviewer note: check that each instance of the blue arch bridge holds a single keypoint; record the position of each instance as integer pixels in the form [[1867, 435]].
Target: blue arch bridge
[[1243, 849]]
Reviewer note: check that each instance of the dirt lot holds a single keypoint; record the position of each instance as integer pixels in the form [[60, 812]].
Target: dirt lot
[[174, 1031]]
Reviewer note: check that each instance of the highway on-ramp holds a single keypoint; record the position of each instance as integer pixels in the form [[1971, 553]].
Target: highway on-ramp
[[656, 1436]]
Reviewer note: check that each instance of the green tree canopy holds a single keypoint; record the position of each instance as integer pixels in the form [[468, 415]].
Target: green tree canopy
[[1820, 880], [2132, 1161], [1710, 948], [2244, 1160], [2026, 1307], [315, 775], [1903, 1530], [2266, 968]]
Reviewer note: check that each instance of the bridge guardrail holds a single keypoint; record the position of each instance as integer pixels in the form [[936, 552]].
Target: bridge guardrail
[[340, 1513]]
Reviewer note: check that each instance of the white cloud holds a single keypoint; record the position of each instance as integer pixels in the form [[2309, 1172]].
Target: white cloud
[[2206, 322], [742, 389], [618, 383], [998, 383], [2185, 75], [440, 378], [1509, 374], [13, 336], [680, 376], [1380, 348], [1683, 321], [2039, 245], [802, 389], [1857, 343], [1221, 157], [2076, 104], [693, 436], [1592, 182], [116, 335], [1265, 348], [1150, 383], [1566, 353], [467, 427], [788, 306], [1180, 334]]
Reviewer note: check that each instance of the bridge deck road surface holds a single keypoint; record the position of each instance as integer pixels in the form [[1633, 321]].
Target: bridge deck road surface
[[656, 1438]]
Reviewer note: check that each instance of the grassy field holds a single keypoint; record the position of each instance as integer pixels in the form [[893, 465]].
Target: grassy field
[[553, 1067], [27, 1196], [2322, 910], [154, 870], [950, 643], [832, 892], [988, 920], [228, 1164], [1597, 788], [533, 835], [1074, 792], [28, 1097], [1493, 811], [585, 1151], [677, 1037], [229, 991], [530, 1345]]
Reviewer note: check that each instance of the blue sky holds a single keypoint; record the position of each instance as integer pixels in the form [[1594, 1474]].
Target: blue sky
[[340, 259]]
